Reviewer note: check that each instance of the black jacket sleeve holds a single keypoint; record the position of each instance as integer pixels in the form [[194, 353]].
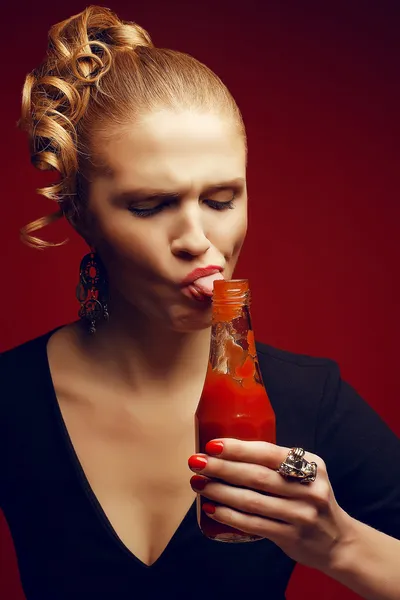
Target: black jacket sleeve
[[362, 456]]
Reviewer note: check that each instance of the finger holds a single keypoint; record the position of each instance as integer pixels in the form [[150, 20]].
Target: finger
[[271, 456], [287, 510], [262, 453], [273, 530], [258, 477]]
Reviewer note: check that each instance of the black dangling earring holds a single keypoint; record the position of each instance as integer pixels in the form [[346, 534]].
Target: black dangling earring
[[92, 290]]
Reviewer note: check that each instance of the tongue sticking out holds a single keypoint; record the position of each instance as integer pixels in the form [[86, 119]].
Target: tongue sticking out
[[205, 284]]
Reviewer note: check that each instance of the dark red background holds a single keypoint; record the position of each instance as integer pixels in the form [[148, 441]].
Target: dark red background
[[318, 86]]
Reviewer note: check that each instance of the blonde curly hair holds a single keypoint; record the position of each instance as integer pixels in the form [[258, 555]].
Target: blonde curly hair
[[100, 74]]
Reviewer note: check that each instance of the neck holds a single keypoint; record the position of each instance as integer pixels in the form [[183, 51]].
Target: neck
[[144, 354]]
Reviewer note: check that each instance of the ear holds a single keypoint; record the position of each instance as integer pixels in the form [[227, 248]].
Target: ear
[[79, 220]]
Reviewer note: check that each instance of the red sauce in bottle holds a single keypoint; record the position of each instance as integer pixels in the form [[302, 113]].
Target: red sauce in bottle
[[234, 402]]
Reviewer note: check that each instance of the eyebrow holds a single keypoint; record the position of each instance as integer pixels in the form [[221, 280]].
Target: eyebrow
[[148, 193]]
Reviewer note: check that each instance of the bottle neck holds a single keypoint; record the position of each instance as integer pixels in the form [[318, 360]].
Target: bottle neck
[[232, 341], [231, 300], [226, 314]]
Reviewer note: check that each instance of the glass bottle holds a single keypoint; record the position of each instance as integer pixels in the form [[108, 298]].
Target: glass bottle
[[234, 402]]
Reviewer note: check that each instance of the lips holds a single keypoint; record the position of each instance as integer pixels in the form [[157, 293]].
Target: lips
[[201, 281]]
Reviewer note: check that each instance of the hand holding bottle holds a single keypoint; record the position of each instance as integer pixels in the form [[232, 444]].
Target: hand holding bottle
[[240, 480]]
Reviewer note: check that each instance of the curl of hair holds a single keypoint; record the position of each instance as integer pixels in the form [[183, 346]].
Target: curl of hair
[[101, 71], [56, 95]]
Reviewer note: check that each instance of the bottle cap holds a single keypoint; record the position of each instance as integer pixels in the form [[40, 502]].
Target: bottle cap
[[231, 291]]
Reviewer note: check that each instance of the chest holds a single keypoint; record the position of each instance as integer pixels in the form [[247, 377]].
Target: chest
[[136, 467]]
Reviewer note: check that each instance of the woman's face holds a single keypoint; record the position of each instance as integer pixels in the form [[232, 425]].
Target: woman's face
[[172, 198]]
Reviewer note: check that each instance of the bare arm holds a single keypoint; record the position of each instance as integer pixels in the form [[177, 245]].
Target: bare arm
[[368, 562]]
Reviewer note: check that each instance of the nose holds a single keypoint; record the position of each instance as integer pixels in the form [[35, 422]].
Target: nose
[[189, 238]]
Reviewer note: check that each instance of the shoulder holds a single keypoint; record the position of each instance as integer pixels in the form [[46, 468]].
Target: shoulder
[[24, 387], [23, 355], [297, 372], [23, 368], [297, 385]]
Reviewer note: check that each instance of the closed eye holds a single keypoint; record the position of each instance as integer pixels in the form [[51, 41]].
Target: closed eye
[[221, 205], [148, 212]]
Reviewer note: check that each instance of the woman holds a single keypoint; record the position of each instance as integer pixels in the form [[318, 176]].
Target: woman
[[97, 417]]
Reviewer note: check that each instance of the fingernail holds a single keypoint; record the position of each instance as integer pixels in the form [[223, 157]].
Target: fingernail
[[197, 463], [214, 447], [198, 482], [208, 508]]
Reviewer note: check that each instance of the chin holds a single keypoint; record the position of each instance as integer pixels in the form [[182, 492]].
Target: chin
[[191, 320]]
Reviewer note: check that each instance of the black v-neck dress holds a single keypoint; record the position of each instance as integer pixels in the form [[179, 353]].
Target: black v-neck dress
[[66, 546]]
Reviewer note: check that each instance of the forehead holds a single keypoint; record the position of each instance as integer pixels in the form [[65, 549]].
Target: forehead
[[174, 148]]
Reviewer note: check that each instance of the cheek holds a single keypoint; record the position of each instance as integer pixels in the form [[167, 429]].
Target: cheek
[[231, 236], [242, 229], [130, 266], [130, 242]]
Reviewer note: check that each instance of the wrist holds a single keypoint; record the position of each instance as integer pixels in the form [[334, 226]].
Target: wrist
[[345, 551], [366, 561]]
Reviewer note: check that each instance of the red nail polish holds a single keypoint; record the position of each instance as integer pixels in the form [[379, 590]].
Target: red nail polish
[[198, 482], [214, 447], [208, 508], [197, 463]]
